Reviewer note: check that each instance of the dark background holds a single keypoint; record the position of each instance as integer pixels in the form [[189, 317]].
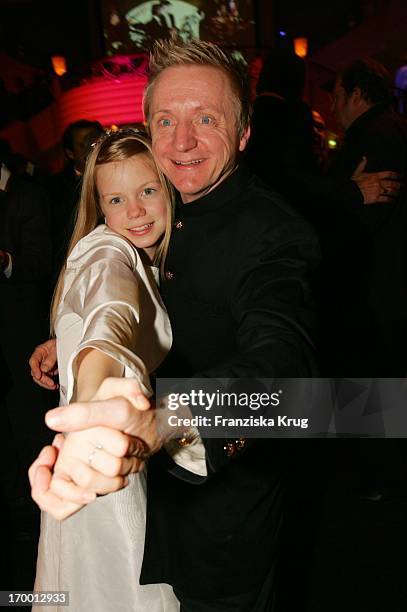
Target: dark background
[[32, 30]]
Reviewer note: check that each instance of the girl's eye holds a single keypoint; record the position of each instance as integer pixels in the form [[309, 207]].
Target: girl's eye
[[115, 200], [148, 191], [165, 122]]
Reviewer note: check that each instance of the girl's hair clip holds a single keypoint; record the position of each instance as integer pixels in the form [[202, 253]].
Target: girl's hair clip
[[125, 131]]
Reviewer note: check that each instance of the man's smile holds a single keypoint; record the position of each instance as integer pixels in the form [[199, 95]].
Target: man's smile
[[192, 162]]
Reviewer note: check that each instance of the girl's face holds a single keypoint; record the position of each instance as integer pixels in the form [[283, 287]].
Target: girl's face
[[133, 200]]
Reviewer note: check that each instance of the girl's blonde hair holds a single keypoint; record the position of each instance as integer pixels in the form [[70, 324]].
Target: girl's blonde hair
[[112, 147]]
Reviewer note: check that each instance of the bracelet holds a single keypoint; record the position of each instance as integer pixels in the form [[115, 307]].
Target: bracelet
[[187, 438]]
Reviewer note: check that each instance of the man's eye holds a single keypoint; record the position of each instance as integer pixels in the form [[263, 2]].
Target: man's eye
[[206, 120], [165, 122]]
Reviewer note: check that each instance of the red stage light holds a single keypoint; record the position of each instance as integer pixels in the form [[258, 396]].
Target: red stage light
[[108, 101]]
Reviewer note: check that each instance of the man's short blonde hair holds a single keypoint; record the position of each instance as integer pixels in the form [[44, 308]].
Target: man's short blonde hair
[[176, 52]]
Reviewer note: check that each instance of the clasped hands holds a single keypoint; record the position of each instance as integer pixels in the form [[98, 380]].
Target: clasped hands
[[111, 437]]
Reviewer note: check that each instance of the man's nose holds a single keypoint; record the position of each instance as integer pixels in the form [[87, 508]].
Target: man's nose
[[184, 137]]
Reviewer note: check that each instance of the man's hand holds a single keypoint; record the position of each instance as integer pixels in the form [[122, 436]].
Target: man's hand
[[376, 187], [118, 405], [43, 364]]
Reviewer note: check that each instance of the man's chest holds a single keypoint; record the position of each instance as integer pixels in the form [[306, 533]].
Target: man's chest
[[10, 221], [201, 264]]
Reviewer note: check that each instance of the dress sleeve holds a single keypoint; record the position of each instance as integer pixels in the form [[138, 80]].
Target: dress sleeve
[[106, 297]]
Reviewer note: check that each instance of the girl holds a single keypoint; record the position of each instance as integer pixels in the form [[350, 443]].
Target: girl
[[109, 320]]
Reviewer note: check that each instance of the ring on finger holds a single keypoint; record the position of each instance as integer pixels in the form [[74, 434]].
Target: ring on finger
[[93, 453]]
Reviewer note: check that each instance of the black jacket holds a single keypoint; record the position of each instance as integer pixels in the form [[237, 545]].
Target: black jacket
[[240, 306], [24, 232]]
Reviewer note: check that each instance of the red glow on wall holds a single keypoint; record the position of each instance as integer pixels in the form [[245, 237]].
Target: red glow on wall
[[105, 100]]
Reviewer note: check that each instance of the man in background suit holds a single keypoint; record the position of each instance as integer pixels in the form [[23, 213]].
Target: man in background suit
[[65, 187], [365, 284], [25, 259]]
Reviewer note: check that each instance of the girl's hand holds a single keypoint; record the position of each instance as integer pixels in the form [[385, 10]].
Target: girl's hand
[[95, 461], [40, 475]]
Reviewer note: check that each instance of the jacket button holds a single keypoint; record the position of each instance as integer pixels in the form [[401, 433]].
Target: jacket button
[[232, 447], [178, 224], [169, 275]]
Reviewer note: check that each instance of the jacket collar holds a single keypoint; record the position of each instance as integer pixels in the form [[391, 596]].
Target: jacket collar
[[360, 122], [231, 187]]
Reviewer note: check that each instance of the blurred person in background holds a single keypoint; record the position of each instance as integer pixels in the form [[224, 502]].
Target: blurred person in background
[[65, 186], [281, 141], [365, 290], [281, 149], [25, 256]]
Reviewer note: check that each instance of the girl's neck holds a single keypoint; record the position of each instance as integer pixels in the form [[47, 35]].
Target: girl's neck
[[147, 255]]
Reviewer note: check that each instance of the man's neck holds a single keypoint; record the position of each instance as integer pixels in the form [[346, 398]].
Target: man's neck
[[188, 199], [364, 108]]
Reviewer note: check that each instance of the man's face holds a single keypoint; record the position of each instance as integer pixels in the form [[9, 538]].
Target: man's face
[[193, 123], [342, 106]]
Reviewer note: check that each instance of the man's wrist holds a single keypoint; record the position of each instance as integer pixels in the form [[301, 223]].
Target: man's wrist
[[172, 426]]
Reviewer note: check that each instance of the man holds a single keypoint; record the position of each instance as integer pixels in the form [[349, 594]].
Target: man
[[24, 269], [237, 292], [65, 186], [365, 290], [25, 252], [281, 149]]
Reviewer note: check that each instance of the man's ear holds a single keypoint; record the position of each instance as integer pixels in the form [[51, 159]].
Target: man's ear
[[244, 139], [69, 154], [357, 95]]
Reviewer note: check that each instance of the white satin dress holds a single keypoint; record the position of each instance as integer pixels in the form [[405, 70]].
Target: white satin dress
[[110, 302]]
